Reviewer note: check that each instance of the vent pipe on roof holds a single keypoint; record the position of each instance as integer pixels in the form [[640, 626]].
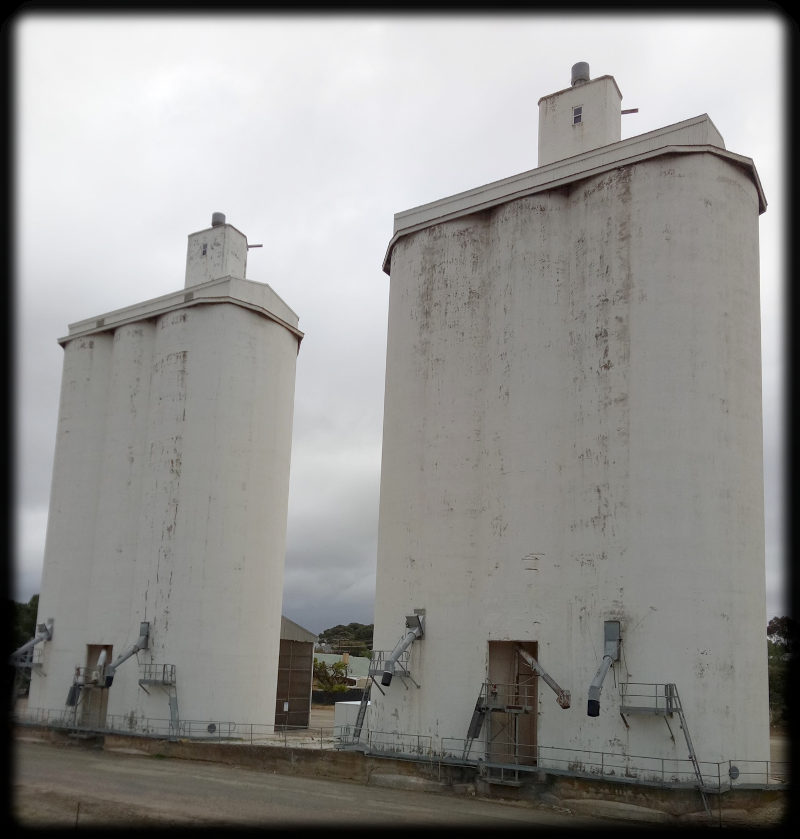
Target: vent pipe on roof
[[580, 73]]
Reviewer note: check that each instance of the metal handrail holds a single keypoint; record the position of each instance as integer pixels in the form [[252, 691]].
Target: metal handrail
[[643, 769], [659, 697], [378, 660], [157, 673], [496, 695]]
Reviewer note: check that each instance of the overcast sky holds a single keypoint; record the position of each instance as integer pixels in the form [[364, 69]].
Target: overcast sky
[[310, 133]]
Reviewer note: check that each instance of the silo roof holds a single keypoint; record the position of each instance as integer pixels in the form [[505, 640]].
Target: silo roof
[[691, 136], [258, 297]]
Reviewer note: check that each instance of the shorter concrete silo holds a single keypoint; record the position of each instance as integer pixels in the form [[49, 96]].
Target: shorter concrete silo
[[167, 520]]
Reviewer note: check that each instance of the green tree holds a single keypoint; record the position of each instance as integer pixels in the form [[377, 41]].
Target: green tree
[[354, 638], [783, 633], [781, 644], [23, 629], [23, 621], [330, 677]]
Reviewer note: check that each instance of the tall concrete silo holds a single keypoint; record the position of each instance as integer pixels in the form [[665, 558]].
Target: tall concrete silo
[[167, 524], [572, 455]]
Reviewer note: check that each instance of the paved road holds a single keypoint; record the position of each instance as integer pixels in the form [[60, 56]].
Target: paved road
[[65, 786]]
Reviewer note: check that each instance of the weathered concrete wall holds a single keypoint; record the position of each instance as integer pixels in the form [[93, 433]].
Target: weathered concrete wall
[[574, 378], [74, 494], [218, 251], [600, 123], [169, 500]]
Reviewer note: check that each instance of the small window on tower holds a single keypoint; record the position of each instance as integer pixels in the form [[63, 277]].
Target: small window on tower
[[205, 248], [577, 114]]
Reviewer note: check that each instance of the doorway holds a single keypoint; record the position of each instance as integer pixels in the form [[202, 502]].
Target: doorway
[[94, 702], [512, 720]]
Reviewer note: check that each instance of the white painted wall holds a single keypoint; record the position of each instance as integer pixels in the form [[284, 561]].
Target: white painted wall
[[345, 717], [576, 375], [69, 544], [600, 124], [168, 505], [218, 251]]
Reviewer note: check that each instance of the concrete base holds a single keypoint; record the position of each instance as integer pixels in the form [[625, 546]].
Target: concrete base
[[626, 803]]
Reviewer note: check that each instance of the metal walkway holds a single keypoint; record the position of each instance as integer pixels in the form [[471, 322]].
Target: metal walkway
[[660, 700], [163, 676]]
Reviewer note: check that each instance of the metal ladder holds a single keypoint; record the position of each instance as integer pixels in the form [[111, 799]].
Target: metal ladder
[[497, 773], [362, 709], [174, 719], [673, 690], [475, 724], [661, 699], [377, 663]]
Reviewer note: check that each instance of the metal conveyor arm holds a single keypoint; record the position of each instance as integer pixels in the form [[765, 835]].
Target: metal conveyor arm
[[611, 644], [415, 624], [562, 696], [140, 644], [44, 632], [597, 685]]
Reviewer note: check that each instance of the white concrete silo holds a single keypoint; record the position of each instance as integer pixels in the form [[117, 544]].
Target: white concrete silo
[[169, 496], [572, 436]]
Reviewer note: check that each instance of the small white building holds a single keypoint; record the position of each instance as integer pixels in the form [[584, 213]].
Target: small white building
[[167, 523], [356, 668], [572, 453]]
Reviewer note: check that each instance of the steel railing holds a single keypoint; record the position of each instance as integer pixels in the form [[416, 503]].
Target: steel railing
[[657, 698], [378, 660], [642, 769], [163, 674], [509, 696], [219, 731]]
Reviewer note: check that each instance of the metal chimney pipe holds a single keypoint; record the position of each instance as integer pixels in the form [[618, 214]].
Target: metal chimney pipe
[[580, 73]]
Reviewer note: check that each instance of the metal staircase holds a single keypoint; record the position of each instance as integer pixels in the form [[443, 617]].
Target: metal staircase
[[163, 676], [511, 702], [475, 724], [362, 710], [498, 712], [661, 700]]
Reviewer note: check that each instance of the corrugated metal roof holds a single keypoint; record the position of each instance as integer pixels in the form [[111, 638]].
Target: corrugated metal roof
[[291, 631]]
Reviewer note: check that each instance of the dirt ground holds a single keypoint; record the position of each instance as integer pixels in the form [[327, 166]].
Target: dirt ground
[[69, 786], [60, 791]]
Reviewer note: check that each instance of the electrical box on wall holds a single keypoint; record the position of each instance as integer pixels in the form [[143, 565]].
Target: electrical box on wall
[[612, 640]]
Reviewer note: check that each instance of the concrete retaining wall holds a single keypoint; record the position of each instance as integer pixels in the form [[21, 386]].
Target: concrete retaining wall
[[619, 802]]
